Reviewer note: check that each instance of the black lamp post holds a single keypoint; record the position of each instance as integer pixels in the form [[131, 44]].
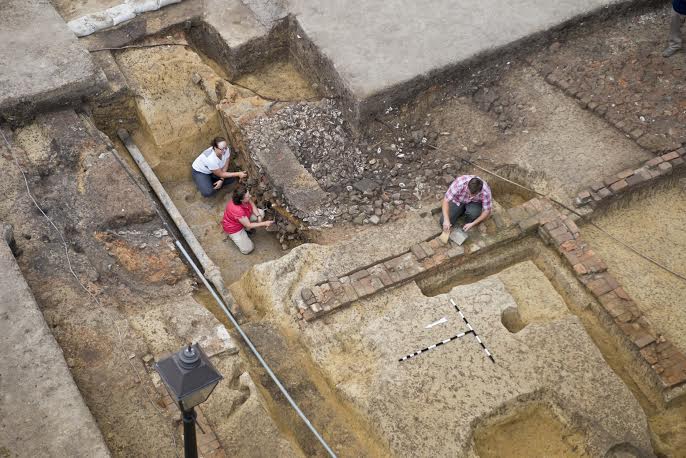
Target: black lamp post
[[190, 378]]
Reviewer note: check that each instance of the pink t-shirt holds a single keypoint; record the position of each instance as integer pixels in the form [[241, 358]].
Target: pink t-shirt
[[232, 214]]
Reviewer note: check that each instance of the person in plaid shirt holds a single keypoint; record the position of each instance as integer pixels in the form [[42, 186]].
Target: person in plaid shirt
[[468, 195]]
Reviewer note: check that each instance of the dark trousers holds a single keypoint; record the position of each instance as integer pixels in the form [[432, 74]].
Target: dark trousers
[[205, 181], [471, 211]]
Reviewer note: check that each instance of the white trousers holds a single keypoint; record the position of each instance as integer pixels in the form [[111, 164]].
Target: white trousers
[[241, 238]]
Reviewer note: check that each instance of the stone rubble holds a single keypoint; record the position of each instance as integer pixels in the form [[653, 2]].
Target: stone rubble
[[367, 184]]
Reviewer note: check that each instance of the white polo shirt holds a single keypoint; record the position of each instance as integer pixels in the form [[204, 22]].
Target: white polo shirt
[[208, 161]]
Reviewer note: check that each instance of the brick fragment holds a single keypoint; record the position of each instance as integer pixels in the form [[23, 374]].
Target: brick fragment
[[418, 251], [440, 258], [636, 134], [349, 294], [601, 284], [367, 286], [426, 246], [635, 179], [359, 275], [455, 251], [380, 271], [664, 167], [649, 354], [609, 181], [528, 224], [604, 193], [670, 156], [625, 173], [307, 295], [597, 186], [580, 269], [653, 162], [678, 162], [681, 151], [583, 198], [618, 186]]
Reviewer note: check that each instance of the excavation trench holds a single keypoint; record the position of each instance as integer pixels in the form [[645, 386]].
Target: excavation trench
[[176, 117], [175, 121], [534, 275]]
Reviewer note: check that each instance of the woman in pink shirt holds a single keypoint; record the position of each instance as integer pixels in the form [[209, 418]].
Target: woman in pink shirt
[[241, 213]]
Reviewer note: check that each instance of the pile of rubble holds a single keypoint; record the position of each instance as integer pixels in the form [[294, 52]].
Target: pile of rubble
[[366, 183]]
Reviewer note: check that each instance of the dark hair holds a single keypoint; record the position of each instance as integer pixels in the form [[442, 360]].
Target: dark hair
[[217, 140], [475, 185], [239, 194]]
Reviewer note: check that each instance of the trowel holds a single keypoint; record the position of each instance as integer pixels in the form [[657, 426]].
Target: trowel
[[458, 236]]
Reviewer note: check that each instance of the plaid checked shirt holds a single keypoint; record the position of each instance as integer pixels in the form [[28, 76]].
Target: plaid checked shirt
[[458, 192]]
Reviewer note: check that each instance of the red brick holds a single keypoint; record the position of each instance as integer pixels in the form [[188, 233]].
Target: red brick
[[426, 246], [618, 186], [580, 269], [649, 354], [670, 156], [455, 251], [380, 271], [418, 252], [625, 173], [643, 340], [595, 187], [440, 258], [552, 225], [625, 317], [571, 225], [602, 284], [569, 245], [359, 275], [435, 244], [610, 180], [653, 162], [563, 237], [350, 295], [622, 294]]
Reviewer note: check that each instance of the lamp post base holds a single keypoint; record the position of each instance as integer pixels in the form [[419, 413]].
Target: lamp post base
[[190, 445]]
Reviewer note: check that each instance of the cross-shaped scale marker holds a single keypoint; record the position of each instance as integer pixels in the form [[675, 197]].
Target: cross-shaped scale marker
[[462, 334]]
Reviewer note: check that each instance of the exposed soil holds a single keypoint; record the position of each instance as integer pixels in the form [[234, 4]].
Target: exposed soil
[[654, 224], [532, 430]]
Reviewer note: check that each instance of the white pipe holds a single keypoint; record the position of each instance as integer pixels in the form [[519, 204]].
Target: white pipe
[[212, 272], [256, 353]]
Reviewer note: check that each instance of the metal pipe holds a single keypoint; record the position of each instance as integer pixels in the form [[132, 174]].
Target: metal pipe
[[255, 352], [212, 272]]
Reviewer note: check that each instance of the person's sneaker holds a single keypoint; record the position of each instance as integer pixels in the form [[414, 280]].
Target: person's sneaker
[[670, 50]]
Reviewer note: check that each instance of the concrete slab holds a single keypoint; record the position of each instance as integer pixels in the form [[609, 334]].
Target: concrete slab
[[383, 51], [42, 63], [234, 37], [41, 409]]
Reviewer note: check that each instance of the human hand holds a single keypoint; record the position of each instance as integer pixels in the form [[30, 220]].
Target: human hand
[[268, 223], [242, 175], [218, 184], [446, 226], [468, 226]]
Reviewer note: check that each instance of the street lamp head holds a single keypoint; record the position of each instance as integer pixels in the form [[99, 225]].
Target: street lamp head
[[189, 376]]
